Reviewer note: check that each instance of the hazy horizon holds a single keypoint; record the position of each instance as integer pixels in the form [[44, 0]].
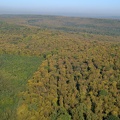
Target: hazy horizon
[[103, 8]]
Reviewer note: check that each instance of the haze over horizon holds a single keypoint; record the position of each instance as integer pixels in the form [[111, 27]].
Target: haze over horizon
[[62, 7]]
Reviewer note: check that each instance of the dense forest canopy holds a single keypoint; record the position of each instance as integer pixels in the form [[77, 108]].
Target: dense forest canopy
[[59, 68]]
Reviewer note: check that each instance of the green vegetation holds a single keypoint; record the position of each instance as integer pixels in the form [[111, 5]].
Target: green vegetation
[[59, 68], [14, 73]]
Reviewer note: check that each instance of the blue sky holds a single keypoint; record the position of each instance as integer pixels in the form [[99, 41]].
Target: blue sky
[[61, 7]]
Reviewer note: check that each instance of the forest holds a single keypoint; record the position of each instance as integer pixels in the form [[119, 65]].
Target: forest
[[59, 68]]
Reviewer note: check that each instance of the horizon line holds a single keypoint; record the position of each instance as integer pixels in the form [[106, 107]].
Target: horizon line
[[75, 16]]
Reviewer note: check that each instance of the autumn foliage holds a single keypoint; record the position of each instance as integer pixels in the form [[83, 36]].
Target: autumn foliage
[[78, 79]]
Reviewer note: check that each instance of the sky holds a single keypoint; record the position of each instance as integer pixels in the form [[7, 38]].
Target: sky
[[61, 7]]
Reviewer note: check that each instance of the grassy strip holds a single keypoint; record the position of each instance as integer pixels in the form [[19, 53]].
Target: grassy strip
[[15, 70]]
